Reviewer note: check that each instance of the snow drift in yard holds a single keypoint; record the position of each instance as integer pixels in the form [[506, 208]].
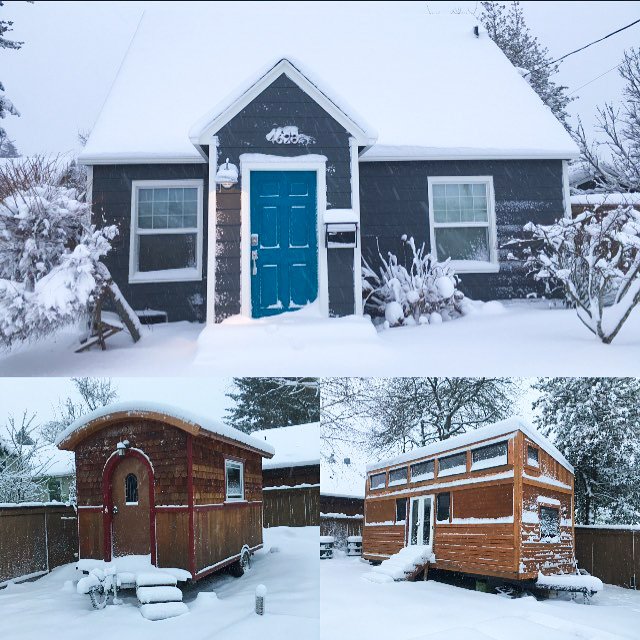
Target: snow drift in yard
[[220, 607], [428, 51], [354, 608], [141, 408]]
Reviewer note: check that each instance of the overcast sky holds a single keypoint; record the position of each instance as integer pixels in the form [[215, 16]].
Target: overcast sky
[[72, 52], [202, 396]]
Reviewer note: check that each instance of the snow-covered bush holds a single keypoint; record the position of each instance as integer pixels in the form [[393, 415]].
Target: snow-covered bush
[[595, 258], [424, 293], [50, 270]]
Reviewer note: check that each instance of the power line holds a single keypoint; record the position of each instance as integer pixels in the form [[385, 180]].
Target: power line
[[594, 79], [586, 46]]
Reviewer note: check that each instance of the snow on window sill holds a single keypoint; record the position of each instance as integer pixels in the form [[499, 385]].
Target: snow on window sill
[[131, 504], [426, 476], [498, 461], [395, 483], [474, 266], [168, 275], [228, 500], [452, 471]]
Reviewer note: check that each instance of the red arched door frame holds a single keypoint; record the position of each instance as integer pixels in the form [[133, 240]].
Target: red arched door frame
[[107, 501]]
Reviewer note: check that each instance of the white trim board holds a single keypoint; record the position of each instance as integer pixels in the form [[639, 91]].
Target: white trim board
[[212, 231], [355, 207], [262, 162], [212, 122], [467, 266], [166, 275]]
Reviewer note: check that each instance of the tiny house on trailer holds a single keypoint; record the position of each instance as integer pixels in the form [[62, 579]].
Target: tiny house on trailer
[[496, 502], [156, 481]]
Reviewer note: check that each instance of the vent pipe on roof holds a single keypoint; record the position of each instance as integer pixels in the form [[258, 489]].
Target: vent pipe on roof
[[476, 31]]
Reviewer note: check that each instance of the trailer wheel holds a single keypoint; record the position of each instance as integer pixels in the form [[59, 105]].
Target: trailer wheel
[[98, 597], [238, 569]]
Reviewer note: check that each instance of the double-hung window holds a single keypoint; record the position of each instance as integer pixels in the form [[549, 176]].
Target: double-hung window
[[166, 231], [462, 222]]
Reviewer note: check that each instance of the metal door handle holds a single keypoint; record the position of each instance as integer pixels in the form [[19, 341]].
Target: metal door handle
[[114, 510], [254, 260]]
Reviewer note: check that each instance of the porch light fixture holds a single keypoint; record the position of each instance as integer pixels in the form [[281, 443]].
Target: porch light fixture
[[122, 447], [227, 175]]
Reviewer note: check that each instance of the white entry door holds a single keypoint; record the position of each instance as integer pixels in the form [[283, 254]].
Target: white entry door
[[421, 521]]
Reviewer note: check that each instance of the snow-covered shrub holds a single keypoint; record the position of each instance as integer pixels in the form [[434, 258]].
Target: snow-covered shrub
[[424, 293], [595, 258], [50, 270]]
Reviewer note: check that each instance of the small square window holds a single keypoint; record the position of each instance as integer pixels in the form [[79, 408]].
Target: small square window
[[401, 510], [234, 480], [422, 471], [549, 524], [451, 465], [378, 481], [533, 456], [398, 476], [492, 455]]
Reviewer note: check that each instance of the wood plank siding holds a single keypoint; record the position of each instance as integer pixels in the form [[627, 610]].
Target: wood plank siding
[[493, 528]]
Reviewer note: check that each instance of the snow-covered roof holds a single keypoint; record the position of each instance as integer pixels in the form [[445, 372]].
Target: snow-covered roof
[[426, 83], [296, 446], [340, 480], [502, 428], [141, 409], [48, 460], [599, 199]]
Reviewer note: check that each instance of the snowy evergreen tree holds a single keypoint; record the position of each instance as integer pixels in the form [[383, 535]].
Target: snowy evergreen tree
[[6, 106], [595, 423], [506, 26], [265, 403], [7, 147], [93, 393], [50, 253], [392, 415], [614, 161]]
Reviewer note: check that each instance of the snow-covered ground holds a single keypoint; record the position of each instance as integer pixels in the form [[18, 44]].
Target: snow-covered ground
[[354, 608], [221, 607], [519, 339]]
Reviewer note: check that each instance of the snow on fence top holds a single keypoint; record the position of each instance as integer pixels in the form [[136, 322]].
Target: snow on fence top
[[140, 409], [490, 111], [502, 428], [296, 446]]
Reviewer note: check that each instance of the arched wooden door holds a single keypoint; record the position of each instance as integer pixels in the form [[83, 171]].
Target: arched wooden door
[[130, 511]]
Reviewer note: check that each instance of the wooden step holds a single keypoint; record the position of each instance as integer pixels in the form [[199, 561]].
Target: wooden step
[[151, 595], [156, 579], [163, 610]]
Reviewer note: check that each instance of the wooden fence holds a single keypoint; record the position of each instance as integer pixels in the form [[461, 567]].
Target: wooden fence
[[291, 507], [340, 526], [35, 539], [610, 553]]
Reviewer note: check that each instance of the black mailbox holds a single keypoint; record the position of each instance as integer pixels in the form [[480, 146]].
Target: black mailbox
[[341, 235]]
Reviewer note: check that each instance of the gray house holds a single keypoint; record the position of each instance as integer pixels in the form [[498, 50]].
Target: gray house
[[354, 129]]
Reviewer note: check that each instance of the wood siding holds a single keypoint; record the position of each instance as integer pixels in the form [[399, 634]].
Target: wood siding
[[486, 533], [394, 201], [112, 205], [282, 103], [36, 539], [292, 507]]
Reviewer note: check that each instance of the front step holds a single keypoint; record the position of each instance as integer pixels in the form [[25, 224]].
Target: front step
[[406, 564], [156, 579], [163, 610], [152, 595]]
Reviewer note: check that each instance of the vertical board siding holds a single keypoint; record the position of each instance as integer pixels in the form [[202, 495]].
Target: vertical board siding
[[281, 104], [394, 201], [112, 205], [613, 555], [36, 539], [292, 507]]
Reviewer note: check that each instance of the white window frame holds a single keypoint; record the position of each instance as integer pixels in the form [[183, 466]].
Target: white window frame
[[237, 465], [164, 275], [467, 266]]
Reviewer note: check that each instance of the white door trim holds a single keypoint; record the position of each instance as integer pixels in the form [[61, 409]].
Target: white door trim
[[261, 162], [419, 500]]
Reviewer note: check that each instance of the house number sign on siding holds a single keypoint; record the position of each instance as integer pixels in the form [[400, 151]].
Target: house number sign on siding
[[288, 135]]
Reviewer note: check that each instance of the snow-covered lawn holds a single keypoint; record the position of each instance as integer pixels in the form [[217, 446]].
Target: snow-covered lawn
[[354, 608], [221, 607], [519, 339]]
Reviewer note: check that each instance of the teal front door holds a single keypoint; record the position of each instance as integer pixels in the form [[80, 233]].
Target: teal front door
[[284, 241]]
